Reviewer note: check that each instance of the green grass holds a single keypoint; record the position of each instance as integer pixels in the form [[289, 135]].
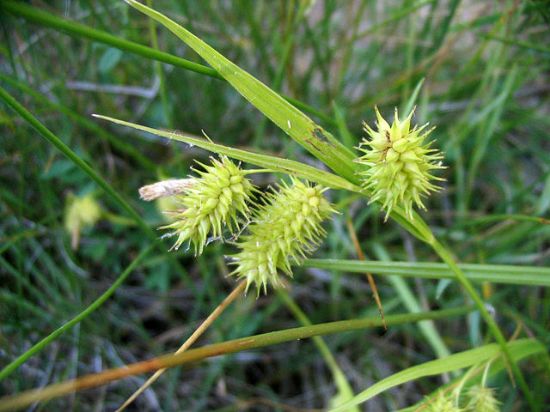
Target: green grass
[[478, 73]]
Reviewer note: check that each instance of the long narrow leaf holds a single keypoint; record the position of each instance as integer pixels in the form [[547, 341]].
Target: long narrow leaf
[[271, 162], [514, 275]]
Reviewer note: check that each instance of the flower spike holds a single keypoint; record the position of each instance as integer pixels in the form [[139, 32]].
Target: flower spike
[[399, 163], [211, 202], [285, 229]]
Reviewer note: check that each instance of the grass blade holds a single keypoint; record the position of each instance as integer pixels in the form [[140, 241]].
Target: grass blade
[[506, 274], [267, 161]]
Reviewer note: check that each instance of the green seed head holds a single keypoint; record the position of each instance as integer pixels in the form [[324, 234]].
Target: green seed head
[[284, 230], [211, 202], [482, 399], [80, 212], [399, 163]]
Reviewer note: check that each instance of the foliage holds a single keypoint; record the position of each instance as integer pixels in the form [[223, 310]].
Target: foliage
[[476, 71]]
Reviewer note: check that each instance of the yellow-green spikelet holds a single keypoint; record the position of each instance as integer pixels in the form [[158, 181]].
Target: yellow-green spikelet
[[284, 230], [399, 163], [213, 201]]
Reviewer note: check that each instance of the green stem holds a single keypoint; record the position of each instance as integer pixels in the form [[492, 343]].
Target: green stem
[[447, 257], [232, 346], [12, 366]]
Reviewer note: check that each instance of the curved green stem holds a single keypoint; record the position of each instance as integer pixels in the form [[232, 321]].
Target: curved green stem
[[232, 346]]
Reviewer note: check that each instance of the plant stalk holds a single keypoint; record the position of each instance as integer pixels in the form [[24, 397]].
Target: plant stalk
[[252, 342]]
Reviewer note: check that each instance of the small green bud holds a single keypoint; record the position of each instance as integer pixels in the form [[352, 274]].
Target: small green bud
[[209, 203], [80, 212], [482, 399], [398, 163], [284, 229]]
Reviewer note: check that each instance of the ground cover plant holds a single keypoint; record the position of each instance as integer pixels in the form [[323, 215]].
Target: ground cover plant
[[321, 205]]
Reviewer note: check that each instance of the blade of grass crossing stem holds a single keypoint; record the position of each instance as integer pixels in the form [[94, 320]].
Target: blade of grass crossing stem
[[76, 29], [271, 162], [345, 392], [478, 372], [287, 117], [492, 325], [251, 342], [505, 274], [11, 367], [518, 349]]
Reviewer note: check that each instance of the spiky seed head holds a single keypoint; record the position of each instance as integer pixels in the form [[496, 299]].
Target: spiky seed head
[[80, 212], [398, 163], [482, 399], [210, 203], [285, 229]]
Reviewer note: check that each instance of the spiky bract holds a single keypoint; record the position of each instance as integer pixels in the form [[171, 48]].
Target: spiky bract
[[284, 230], [398, 163], [211, 202]]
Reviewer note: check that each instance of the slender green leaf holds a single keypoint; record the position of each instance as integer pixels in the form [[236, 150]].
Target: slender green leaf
[[272, 162], [514, 275]]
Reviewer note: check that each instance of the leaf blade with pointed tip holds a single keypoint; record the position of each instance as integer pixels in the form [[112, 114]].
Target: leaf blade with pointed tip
[[288, 118], [272, 162]]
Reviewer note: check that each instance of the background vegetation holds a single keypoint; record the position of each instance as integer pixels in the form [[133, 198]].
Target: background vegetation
[[481, 73]]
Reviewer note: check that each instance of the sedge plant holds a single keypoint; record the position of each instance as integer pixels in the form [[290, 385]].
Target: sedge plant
[[395, 168]]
